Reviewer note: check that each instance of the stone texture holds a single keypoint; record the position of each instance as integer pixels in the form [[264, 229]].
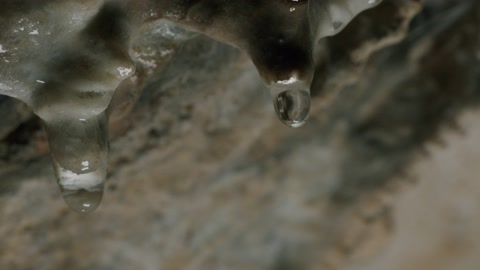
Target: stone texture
[[203, 175]]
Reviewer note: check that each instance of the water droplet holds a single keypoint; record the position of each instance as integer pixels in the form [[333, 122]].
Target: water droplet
[[79, 150], [292, 107], [84, 201], [81, 191]]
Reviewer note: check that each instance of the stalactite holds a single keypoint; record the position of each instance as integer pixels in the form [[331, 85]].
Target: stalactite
[[66, 65]]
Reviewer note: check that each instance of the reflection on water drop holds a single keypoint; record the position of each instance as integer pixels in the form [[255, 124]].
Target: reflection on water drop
[[84, 201], [81, 191], [292, 107]]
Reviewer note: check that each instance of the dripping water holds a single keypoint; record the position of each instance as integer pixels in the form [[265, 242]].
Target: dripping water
[[79, 151], [291, 100], [292, 107]]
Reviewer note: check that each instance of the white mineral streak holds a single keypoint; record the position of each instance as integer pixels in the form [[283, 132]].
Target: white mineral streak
[[293, 83], [71, 181], [289, 81]]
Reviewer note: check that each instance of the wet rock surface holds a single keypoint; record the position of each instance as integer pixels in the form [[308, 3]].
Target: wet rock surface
[[203, 176]]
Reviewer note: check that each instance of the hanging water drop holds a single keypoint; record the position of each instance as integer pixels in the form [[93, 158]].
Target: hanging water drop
[[84, 201], [292, 107], [291, 100], [79, 150]]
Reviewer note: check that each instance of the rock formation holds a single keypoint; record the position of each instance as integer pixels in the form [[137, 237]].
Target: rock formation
[[201, 173]]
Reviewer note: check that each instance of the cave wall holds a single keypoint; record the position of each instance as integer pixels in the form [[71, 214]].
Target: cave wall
[[203, 176]]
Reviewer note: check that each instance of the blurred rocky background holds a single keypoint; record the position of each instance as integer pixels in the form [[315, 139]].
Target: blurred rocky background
[[204, 176]]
